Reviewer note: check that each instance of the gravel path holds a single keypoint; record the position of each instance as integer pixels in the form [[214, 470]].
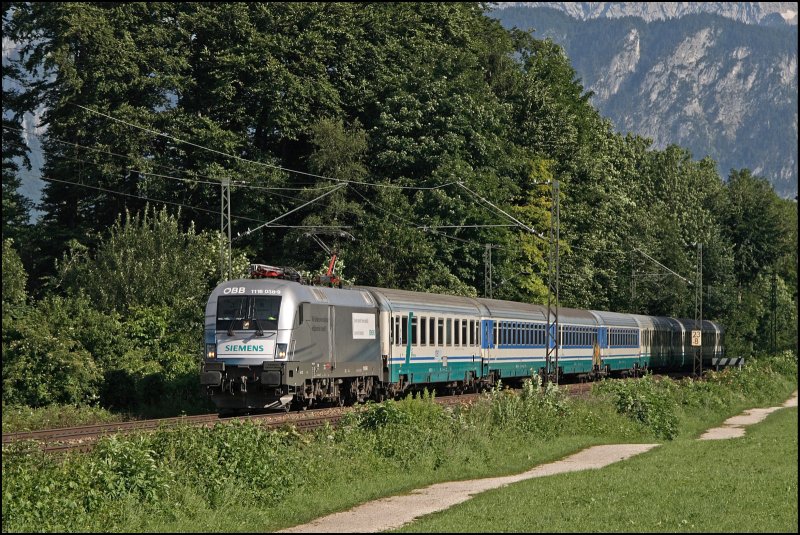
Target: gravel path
[[734, 427], [393, 512]]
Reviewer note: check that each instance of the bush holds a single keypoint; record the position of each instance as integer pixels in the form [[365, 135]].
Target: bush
[[414, 430], [532, 411], [647, 401]]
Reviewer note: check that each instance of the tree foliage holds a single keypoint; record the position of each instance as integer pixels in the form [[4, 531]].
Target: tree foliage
[[436, 120]]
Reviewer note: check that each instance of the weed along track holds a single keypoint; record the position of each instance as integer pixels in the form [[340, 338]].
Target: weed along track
[[82, 438]]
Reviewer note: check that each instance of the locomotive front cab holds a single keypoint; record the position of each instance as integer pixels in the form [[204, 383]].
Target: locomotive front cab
[[247, 337]]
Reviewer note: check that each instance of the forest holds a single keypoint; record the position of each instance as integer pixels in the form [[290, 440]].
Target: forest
[[422, 123]]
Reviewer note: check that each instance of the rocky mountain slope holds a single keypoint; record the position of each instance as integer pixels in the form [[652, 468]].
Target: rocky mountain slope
[[769, 13], [716, 86]]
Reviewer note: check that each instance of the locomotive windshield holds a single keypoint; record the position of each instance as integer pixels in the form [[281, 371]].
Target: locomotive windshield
[[242, 313]]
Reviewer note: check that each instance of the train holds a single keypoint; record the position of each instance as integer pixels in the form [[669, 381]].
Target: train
[[276, 343]]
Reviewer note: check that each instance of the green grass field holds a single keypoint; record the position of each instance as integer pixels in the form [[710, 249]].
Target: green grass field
[[239, 477], [747, 484]]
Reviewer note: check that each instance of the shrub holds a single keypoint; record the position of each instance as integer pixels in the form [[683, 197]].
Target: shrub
[[532, 411], [646, 401]]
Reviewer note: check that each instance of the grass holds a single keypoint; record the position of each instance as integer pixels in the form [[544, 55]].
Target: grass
[[340, 475], [18, 418], [239, 477], [746, 484]]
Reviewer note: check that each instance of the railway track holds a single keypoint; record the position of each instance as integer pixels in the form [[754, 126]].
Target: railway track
[[83, 438]]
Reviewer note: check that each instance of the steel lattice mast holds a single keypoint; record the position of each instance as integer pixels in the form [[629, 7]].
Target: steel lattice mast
[[225, 227], [553, 341], [698, 311]]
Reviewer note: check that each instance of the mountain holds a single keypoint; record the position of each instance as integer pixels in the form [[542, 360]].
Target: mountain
[[766, 13], [716, 86]]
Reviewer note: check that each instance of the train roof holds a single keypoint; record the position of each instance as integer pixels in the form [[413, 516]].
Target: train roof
[[500, 308], [394, 300], [390, 299], [298, 292]]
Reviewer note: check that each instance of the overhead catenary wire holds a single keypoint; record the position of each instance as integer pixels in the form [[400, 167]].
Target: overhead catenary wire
[[213, 180], [414, 225], [150, 199], [512, 218], [192, 180], [334, 188], [268, 223], [663, 266], [264, 164]]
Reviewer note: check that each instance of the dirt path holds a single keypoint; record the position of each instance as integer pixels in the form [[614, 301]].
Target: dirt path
[[393, 512]]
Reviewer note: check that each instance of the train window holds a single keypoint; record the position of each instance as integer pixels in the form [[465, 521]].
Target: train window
[[423, 331], [248, 313], [495, 334], [432, 330], [464, 332], [440, 332], [449, 331], [396, 331], [477, 338], [414, 333], [404, 330], [230, 309], [265, 311], [472, 339], [456, 332]]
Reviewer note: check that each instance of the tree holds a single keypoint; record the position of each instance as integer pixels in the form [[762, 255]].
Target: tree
[[146, 260], [14, 276]]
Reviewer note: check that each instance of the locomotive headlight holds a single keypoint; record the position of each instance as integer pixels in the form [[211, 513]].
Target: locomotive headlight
[[280, 353], [211, 351]]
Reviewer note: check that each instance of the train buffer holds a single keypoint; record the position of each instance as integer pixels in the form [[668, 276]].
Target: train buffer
[[723, 362]]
